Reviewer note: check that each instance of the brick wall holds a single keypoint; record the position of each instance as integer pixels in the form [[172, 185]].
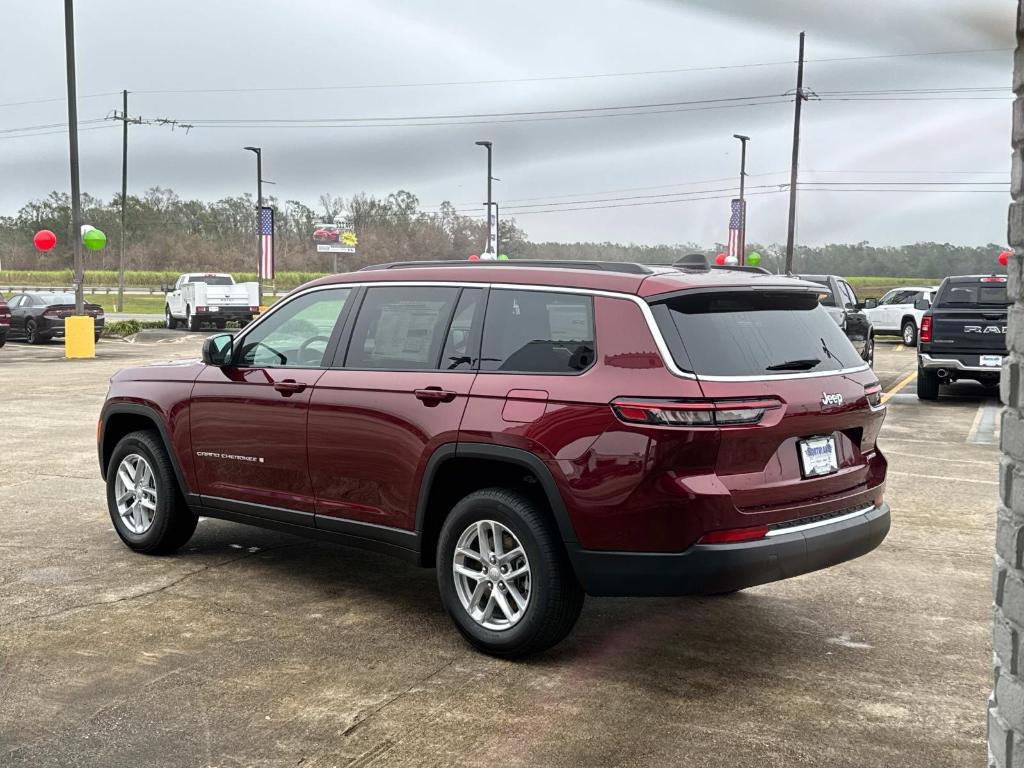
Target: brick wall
[[1006, 707]]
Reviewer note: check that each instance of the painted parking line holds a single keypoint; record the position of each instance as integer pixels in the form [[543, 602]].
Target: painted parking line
[[986, 420], [899, 385], [898, 348]]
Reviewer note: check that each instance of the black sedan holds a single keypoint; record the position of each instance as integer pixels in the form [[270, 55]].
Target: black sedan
[[38, 316]]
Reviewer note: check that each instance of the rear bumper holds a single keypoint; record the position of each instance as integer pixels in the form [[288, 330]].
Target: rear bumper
[[714, 568], [967, 363], [226, 313]]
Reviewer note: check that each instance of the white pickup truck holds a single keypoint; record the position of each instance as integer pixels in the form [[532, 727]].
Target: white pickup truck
[[197, 298]]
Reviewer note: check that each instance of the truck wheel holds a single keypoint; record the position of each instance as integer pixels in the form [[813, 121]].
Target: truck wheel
[[169, 320], [504, 576], [927, 385], [909, 333], [3, 339], [191, 321], [145, 504]]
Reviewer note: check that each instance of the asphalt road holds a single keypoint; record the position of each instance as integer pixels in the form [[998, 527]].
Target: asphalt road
[[253, 648]]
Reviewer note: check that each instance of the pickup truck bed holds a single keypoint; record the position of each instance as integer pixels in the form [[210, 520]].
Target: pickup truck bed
[[963, 334]]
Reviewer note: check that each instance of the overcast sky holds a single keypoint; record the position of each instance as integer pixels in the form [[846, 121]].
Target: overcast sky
[[310, 46]]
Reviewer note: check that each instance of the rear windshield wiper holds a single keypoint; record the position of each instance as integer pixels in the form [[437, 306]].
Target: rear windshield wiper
[[801, 364]]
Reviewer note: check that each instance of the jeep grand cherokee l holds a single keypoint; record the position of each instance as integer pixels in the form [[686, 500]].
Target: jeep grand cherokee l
[[536, 432]]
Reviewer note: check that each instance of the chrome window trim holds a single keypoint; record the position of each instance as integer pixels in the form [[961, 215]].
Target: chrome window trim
[[819, 523], [645, 310]]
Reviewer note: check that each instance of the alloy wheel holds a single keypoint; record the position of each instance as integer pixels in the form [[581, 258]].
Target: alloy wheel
[[135, 493], [492, 575], [908, 334]]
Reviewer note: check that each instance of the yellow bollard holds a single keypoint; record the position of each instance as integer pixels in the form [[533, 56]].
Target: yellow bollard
[[79, 337]]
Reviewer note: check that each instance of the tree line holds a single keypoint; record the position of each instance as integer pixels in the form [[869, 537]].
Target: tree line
[[165, 232]]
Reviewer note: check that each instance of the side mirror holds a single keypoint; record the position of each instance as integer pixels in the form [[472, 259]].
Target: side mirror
[[217, 349], [922, 304], [870, 303]]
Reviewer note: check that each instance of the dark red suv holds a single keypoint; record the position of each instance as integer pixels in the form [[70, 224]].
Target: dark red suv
[[536, 431]]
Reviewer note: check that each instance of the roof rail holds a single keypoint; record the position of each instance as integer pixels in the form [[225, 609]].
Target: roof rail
[[625, 267], [743, 268]]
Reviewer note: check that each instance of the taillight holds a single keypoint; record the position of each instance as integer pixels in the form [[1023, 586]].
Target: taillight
[[200, 309], [734, 535], [692, 413], [873, 394], [254, 309], [993, 279], [926, 329]]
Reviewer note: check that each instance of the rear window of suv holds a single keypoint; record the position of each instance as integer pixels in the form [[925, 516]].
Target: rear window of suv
[[752, 333], [985, 292]]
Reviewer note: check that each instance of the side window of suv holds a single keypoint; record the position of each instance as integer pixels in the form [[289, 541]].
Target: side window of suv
[[538, 332], [849, 297], [296, 335], [404, 328]]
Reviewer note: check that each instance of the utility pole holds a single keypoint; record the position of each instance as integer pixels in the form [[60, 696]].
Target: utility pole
[[76, 201], [799, 99], [124, 204], [743, 203], [259, 212]]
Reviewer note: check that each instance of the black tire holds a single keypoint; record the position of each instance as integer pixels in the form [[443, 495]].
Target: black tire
[[869, 349], [191, 321], [927, 385], [96, 338], [220, 324], [32, 332], [555, 597], [169, 320], [173, 522], [3, 339], [909, 333]]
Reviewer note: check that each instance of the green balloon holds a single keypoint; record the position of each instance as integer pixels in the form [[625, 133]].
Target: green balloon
[[502, 257], [754, 258], [94, 240]]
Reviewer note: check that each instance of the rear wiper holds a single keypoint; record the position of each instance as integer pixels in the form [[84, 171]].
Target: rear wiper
[[802, 364]]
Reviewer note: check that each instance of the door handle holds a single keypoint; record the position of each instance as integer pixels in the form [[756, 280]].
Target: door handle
[[289, 387], [433, 395]]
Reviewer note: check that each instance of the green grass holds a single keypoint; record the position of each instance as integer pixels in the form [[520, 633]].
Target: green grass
[[284, 281], [866, 287]]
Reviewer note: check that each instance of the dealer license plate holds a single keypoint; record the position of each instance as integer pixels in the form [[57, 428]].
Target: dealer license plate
[[991, 360], [818, 456]]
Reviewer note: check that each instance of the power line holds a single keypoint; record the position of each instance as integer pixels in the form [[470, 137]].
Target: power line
[[549, 78], [470, 115]]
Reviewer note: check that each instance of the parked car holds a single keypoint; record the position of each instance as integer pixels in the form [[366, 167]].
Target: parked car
[[5, 320], [897, 312], [38, 316], [207, 297], [963, 333], [842, 304], [535, 432]]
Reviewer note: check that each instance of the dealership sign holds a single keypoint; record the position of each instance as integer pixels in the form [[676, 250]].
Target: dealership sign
[[334, 238]]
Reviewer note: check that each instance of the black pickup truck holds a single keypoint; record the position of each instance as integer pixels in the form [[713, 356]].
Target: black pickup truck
[[963, 333]]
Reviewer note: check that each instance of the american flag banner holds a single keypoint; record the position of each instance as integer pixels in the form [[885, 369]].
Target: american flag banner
[[267, 242], [737, 221]]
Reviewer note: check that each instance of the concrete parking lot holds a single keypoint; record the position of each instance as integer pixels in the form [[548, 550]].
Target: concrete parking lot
[[253, 648]]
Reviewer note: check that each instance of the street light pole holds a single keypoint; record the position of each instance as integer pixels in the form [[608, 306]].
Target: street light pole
[[743, 203], [489, 146], [259, 212], [76, 201]]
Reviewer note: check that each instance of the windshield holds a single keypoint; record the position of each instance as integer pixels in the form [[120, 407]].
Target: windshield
[[56, 298], [986, 292], [212, 279], [753, 334]]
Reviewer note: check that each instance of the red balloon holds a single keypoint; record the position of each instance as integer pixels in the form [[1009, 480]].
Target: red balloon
[[474, 257], [1004, 258], [720, 259], [44, 240]]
